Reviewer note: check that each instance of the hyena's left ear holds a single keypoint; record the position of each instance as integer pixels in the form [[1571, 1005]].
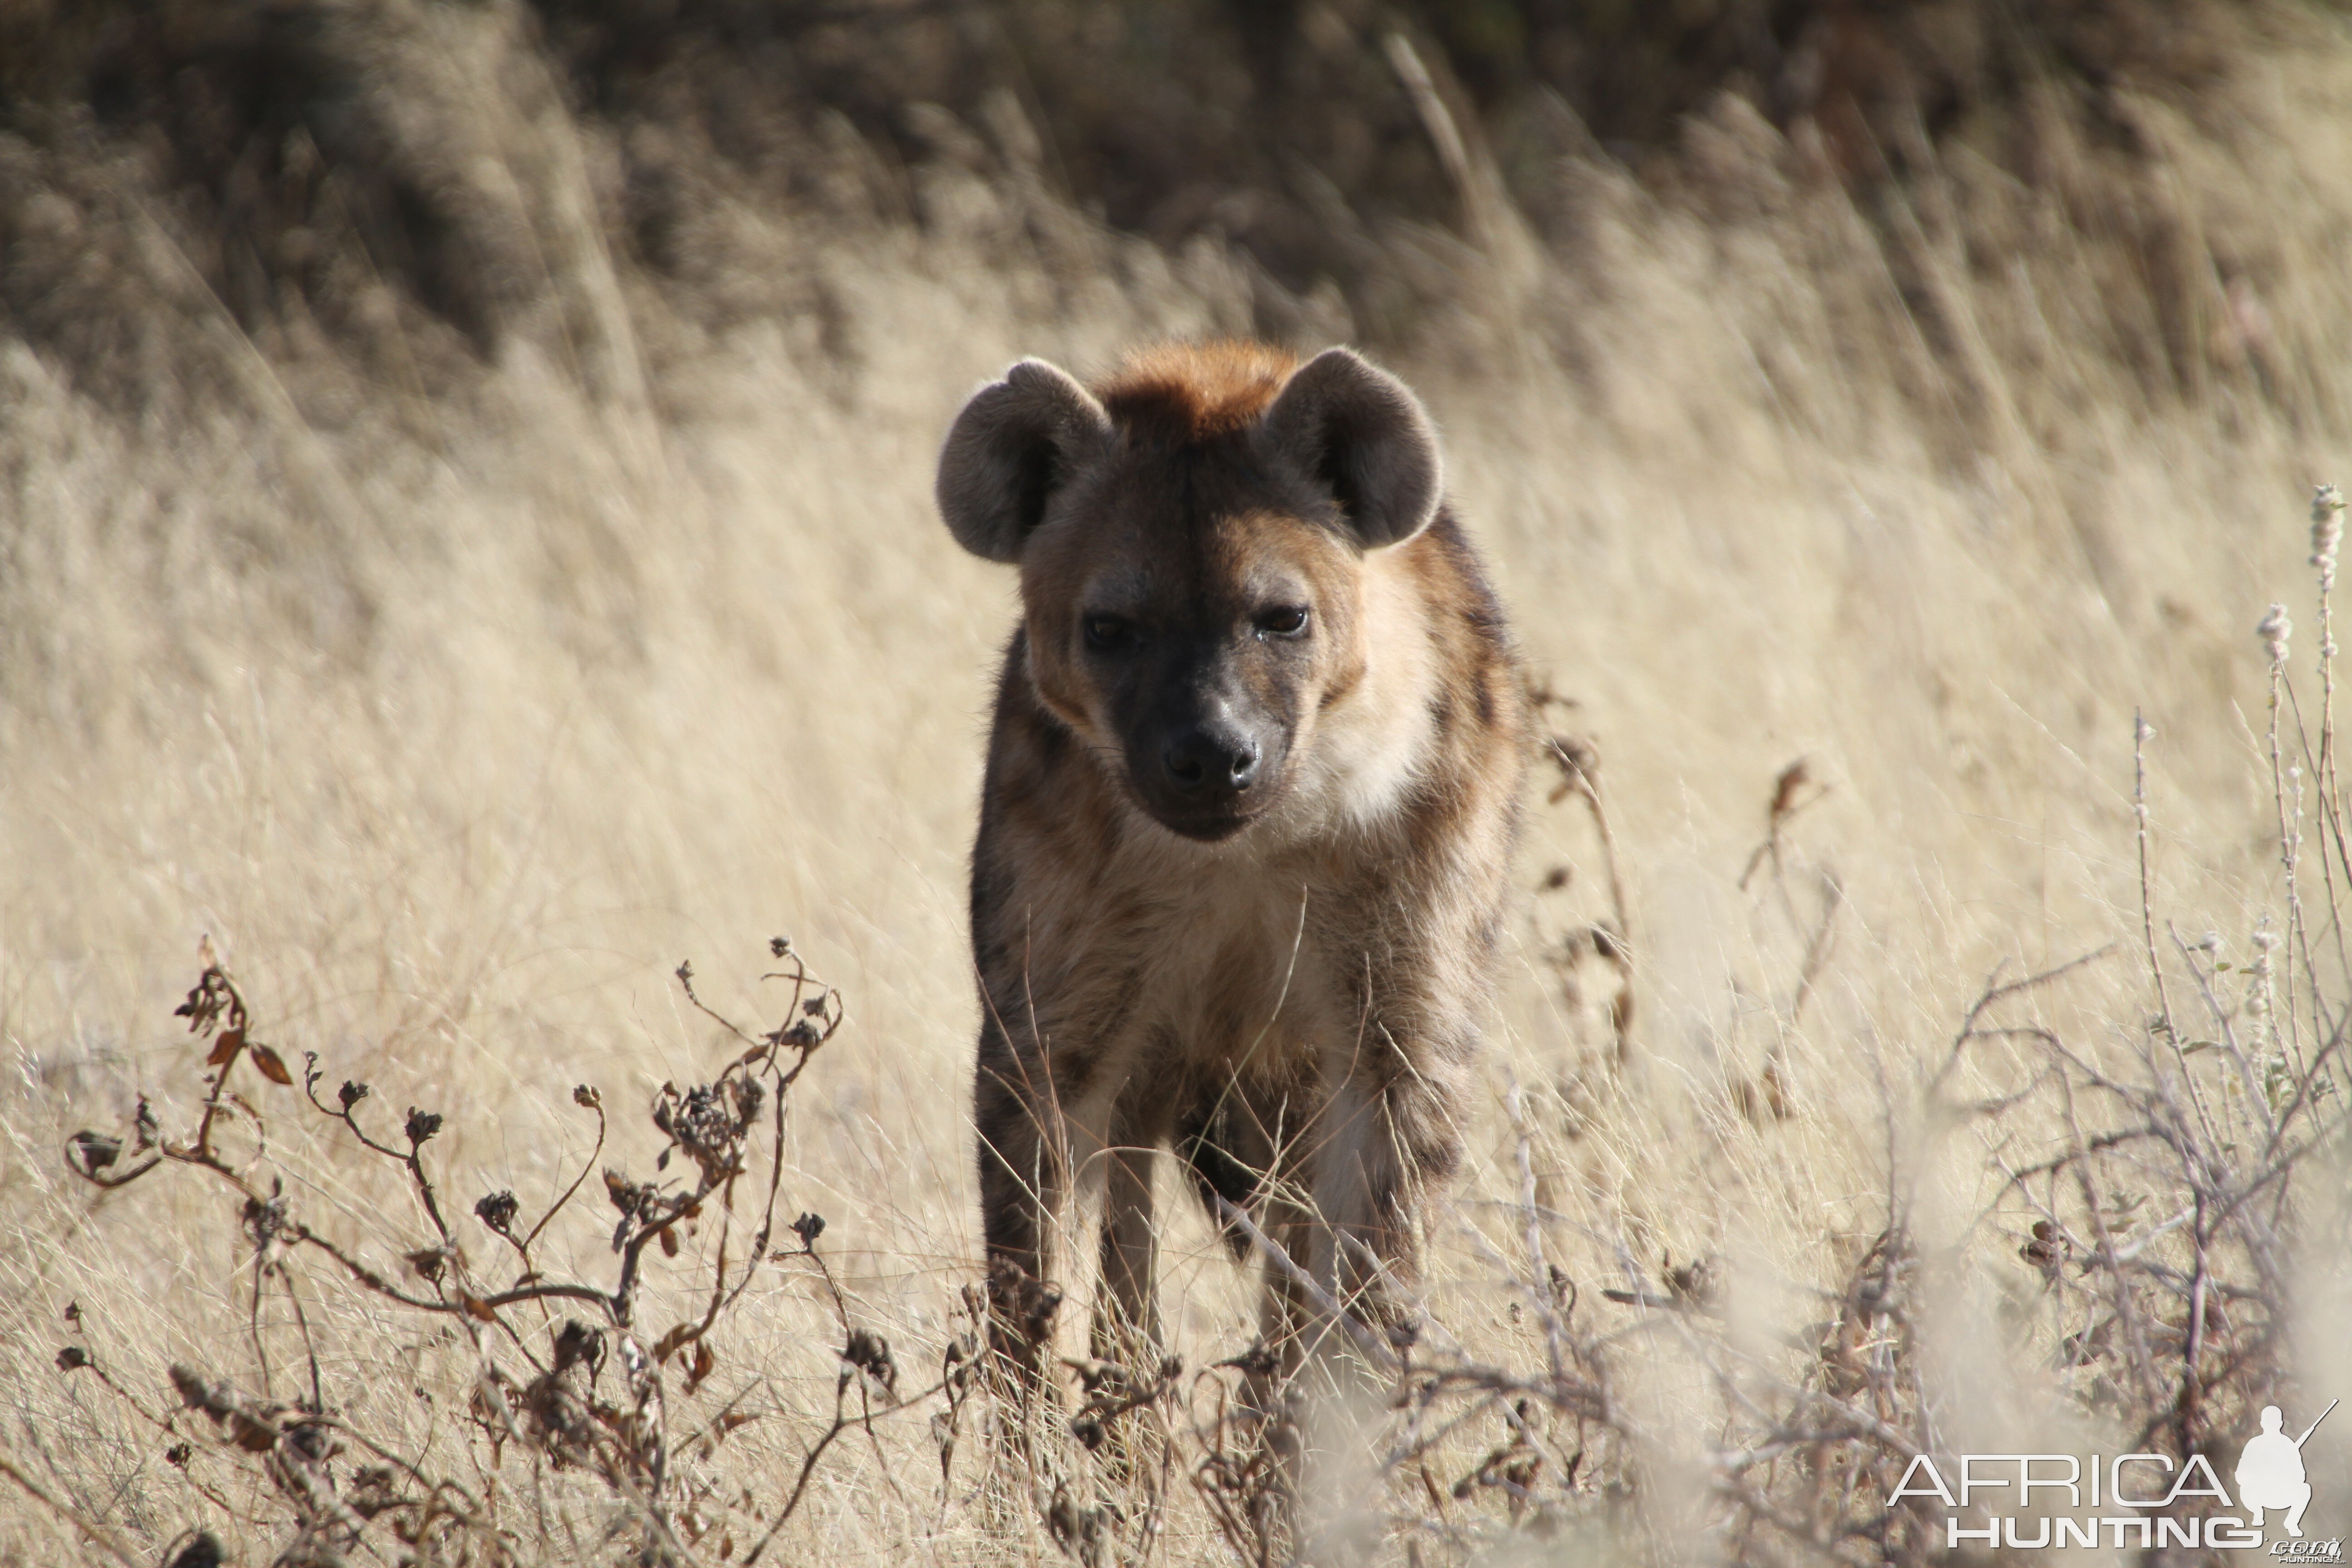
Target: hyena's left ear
[[1362, 433], [1014, 443]]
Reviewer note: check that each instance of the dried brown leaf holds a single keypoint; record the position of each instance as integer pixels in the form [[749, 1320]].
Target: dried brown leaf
[[705, 1361]]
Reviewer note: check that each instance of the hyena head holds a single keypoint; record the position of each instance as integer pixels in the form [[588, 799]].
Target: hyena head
[[1192, 538]]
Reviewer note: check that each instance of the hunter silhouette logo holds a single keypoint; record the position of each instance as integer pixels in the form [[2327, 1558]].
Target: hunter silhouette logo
[[2148, 1501], [2271, 1473]]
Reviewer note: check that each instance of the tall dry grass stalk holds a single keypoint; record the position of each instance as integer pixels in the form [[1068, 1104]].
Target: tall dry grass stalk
[[457, 679]]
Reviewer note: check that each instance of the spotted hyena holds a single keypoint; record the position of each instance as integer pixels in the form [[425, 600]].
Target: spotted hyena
[[1249, 808]]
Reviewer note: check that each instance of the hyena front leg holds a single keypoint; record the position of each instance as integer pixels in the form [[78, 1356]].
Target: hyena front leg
[[1126, 1328], [1274, 1395], [1127, 1311], [1390, 1131], [1387, 1131], [1286, 1317], [1024, 1175]]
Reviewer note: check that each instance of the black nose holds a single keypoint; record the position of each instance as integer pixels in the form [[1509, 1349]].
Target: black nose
[[1199, 759]]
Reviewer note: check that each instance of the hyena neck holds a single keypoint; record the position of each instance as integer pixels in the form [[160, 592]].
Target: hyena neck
[[1375, 744]]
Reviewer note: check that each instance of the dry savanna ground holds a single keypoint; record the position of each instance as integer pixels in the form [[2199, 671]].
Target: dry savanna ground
[[449, 644]]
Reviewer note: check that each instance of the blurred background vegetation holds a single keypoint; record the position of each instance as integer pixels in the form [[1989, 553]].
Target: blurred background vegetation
[[466, 544], [288, 159]]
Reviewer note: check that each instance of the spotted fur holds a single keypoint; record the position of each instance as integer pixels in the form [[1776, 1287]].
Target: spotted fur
[[1284, 983]]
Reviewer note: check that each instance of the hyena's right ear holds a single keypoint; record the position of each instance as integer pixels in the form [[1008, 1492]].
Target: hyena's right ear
[[1015, 442]]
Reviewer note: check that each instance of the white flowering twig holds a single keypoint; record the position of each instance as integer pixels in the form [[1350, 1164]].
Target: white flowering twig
[[2275, 630], [2327, 537]]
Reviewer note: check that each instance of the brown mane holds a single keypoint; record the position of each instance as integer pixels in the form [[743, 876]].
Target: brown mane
[[1193, 391]]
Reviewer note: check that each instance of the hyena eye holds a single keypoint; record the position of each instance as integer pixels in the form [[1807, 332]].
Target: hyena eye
[[1107, 634], [1283, 621]]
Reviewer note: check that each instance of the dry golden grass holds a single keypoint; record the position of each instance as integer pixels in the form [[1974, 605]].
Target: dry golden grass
[[457, 706]]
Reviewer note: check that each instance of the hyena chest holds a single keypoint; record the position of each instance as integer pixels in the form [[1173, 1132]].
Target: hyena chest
[[1225, 973]]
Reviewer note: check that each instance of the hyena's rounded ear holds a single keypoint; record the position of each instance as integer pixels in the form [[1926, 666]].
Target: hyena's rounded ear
[[1015, 442], [1363, 435]]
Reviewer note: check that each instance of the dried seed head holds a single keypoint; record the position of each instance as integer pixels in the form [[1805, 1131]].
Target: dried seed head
[[375, 1488], [497, 1211], [2275, 630], [869, 1352], [575, 1344], [711, 1121], [2327, 530], [626, 1195], [422, 1124], [351, 1093], [97, 1150], [263, 1222], [1563, 1289], [1020, 1304], [1258, 1361]]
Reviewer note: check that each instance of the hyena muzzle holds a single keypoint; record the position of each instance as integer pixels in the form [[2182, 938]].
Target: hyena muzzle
[[1248, 816]]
